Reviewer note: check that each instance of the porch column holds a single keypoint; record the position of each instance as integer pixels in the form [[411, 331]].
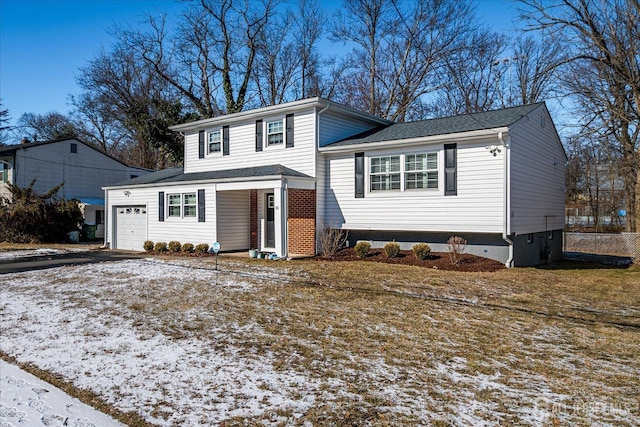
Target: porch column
[[280, 219]]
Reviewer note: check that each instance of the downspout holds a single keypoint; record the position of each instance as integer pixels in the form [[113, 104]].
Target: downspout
[[506, 180], [107, 218], [324, 185]]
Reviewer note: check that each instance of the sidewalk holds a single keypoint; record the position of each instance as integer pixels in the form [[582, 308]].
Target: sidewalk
[[25, 400]]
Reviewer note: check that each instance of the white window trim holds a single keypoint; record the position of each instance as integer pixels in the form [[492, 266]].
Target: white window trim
[[403, 186], [265, 133], [182, 206], [207, 136]]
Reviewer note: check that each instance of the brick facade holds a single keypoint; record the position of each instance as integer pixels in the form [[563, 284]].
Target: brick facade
[[253, 218], [302, 221]]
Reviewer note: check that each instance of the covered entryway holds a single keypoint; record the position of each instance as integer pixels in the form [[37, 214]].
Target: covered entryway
[[131, 227]]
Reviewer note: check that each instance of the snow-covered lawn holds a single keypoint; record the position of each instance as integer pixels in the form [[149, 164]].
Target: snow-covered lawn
[[182, 344]]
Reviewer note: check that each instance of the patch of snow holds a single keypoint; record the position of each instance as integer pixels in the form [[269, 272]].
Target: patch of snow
[[27, 253], [27, 400]]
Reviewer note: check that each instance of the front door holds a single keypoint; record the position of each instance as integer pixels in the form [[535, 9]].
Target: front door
[[270, 232]]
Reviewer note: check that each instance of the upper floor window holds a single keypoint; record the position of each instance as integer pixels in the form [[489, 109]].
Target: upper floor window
[[385, 173], [215, 141], [74, 148], [421, 171], [275, 132]]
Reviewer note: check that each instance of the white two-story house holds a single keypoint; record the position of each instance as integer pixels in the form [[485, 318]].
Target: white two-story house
[[82, 169], [270, 178]]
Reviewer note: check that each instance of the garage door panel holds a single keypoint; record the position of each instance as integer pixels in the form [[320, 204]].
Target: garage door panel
[[131, 227]]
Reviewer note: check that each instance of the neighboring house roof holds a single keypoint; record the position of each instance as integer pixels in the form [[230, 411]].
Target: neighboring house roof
[[440, 126], [176, 175], [12, 149]]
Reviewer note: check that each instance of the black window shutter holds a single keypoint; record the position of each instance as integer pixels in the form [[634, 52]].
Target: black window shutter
[[359, 175], [258, 135], [225, 140], [201, 144], [289, 130], [161, 206], [450, 170], [200, 205]]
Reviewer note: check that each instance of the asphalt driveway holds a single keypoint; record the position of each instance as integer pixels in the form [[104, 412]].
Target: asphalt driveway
[[40, 262]]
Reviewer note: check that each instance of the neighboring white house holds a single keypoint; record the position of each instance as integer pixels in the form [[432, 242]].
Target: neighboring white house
[[269, 178], [83, 169]]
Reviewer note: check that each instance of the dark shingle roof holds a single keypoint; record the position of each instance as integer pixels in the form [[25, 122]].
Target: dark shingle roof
[[177, 175], [441, 126]]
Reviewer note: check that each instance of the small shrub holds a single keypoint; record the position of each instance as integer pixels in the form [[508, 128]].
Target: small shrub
[[188, 248], [147, 245], [392, 249], [362, 249], [330, 240], [174, 246], [457, 246], [202, 248], [421, 251], [160, 247]]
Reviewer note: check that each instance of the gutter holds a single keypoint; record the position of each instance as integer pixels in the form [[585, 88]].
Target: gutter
[[506, 179], [470, 136]]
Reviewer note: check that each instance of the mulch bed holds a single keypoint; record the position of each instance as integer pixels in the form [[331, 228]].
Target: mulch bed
[[437, 260]]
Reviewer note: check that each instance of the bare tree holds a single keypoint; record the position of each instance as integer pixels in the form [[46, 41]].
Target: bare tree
[[122, 92], [5, 127], [399, 46], [603, 43], [471, 78], [45, 127], [213, 51]]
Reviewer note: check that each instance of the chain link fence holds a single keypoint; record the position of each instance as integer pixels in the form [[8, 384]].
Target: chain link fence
[[622, 245]]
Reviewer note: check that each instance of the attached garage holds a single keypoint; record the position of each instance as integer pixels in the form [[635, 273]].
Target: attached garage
[[131, 227]]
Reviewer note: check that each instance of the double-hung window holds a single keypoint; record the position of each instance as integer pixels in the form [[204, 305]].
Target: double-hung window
[[421, 171], [175, 209], [214, 140], [189, 204], [182, 205], [385, 173], [275, 132]]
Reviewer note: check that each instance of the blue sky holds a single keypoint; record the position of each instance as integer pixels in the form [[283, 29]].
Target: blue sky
[[43, 43]]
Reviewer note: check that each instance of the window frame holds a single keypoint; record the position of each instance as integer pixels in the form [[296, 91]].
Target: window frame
[[208, 141], [405, 170], [191, 206], [170, 205], [425, 171], [390, 173], [267, 133]]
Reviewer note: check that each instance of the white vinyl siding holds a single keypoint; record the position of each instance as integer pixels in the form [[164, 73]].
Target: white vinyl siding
[[183, 231], [242, 142], [476, 208], [537, 175], [334, 127]]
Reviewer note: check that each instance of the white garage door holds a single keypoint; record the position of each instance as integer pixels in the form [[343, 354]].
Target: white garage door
[[131, 227]]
